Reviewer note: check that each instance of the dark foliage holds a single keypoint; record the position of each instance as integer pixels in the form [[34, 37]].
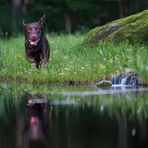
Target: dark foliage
[[65, 15]]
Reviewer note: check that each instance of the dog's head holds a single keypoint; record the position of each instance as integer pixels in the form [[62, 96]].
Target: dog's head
[[34, 31]]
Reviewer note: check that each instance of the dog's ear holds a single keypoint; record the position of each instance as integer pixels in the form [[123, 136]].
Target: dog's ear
[[24, 24], [42, 20]]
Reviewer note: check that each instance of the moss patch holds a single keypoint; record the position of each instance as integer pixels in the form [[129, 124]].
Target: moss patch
[[133, 28]]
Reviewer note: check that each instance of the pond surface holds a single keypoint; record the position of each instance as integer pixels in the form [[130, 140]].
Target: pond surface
[[73, 116]]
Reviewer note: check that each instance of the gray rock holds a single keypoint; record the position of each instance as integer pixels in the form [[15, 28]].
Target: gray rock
[[104, 83]]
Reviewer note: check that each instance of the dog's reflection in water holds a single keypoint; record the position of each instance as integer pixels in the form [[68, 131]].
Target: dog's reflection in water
[[36, 127]]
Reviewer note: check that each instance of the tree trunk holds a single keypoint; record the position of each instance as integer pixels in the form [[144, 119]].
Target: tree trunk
[[15, 5], [68, 25], [131, 7], [121, 15], [24, 7]]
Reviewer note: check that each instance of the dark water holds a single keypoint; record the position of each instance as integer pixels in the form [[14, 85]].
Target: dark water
[[73, 117]]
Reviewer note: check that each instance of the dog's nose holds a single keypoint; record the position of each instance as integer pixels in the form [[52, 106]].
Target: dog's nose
[[33, 37]]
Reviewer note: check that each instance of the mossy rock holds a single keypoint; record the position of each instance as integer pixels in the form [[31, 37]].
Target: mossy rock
[[133, 28]]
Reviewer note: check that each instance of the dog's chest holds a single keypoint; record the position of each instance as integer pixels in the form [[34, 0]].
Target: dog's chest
[[33, 54]]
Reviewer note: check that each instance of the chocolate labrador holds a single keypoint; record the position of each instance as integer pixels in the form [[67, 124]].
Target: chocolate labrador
[[36, 44]]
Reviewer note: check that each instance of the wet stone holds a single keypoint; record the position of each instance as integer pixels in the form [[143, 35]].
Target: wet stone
[[104, 83]]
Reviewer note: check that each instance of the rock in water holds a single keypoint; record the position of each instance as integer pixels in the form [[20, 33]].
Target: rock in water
[[104, 83]]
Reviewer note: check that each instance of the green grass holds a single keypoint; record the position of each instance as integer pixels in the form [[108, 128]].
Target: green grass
[[69, 61]]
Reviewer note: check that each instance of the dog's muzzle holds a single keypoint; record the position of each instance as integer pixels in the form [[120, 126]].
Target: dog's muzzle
[[33, 42]]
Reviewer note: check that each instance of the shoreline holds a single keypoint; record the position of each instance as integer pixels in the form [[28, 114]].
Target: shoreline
[[45, 82]]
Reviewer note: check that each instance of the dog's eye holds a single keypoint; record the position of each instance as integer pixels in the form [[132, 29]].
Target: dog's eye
[[36, 29], [29, 29]]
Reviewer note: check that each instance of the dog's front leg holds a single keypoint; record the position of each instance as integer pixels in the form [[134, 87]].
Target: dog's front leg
[[44, 59], [30, 57]]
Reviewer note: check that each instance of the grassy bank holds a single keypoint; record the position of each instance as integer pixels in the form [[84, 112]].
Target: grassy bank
[[69, 61]]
